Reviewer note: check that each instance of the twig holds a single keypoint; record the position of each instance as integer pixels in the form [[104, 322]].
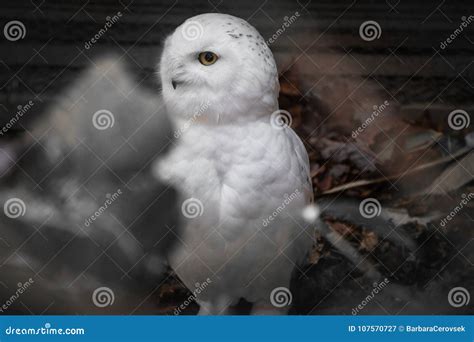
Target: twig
[[364, 182]]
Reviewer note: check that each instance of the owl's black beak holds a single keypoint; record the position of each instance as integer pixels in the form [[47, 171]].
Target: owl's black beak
[[175, 83]]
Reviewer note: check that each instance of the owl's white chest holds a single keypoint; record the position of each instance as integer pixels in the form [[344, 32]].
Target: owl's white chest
[[249, 181], [236, 171]]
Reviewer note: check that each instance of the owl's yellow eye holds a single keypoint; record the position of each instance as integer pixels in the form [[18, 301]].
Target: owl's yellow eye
[[207, 58]]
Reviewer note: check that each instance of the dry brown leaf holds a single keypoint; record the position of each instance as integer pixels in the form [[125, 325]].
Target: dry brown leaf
[[369, 241], [342, 228]]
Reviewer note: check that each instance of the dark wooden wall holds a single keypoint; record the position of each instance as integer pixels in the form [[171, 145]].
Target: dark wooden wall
[[407, 62]]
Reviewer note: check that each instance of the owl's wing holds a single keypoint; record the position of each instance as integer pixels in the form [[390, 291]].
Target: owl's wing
[[303, 161]]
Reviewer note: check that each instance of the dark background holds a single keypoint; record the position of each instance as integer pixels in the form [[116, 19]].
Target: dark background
[[406, 61], [326, 70]]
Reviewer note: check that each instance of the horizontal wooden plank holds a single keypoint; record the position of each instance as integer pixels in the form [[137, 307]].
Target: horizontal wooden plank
[[315, 61], [89, 22], [405, 90], [359, 5]]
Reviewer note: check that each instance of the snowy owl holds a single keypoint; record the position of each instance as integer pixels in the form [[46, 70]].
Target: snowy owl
[[242, 171]]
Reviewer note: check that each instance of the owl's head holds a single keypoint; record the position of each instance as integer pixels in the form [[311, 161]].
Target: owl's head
[[217, 68]]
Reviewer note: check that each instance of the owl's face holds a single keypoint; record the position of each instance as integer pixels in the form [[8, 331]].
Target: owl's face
[[216, 68]]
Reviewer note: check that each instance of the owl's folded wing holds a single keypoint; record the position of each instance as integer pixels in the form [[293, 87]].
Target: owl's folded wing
[[303, 161]]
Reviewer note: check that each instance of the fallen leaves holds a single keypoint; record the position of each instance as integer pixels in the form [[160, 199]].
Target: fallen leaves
[[455, 176], [387, 154], [389, 147], [369, 241]]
